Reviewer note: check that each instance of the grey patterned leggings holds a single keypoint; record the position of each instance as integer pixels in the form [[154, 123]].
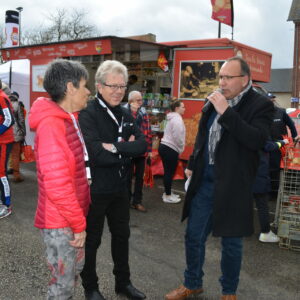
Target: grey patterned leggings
[[65, 262]]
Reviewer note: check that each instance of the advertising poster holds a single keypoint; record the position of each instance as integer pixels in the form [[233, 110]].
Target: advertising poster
[[38, 73], [11, 30], [198, 79]]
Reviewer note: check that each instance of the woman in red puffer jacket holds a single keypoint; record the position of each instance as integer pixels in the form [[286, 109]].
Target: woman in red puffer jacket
[[63, 173]]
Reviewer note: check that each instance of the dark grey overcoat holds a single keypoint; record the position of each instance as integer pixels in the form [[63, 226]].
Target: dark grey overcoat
[[246, 128]]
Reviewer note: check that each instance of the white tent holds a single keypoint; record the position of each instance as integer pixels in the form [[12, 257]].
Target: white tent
[[16, 75]]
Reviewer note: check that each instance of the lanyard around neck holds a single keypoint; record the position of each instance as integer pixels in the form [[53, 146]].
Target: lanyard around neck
[[120, 126]]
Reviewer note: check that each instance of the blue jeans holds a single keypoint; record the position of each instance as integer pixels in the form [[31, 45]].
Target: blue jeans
[[199, 226]]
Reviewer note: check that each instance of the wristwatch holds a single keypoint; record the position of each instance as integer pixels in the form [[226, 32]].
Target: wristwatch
[[113, 149]]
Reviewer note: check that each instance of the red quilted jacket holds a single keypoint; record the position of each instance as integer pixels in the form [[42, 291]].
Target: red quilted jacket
[[64, 197], [6, 119]]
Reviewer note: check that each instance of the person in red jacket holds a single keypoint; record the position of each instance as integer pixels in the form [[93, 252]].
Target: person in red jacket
[[63, 173], [6, 141], [134, 106]]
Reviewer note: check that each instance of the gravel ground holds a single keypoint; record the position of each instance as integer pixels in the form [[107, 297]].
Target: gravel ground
[[156, 254]]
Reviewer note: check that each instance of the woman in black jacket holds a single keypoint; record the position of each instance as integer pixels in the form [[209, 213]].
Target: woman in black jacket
[[262, 188]]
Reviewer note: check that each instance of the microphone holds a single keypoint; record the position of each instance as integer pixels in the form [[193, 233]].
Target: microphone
[[208, 104]]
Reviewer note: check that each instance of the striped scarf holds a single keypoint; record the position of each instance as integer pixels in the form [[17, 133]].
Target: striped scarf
[[216, 129]]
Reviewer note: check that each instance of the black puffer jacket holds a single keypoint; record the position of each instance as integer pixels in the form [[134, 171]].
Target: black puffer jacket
[[109, 170]]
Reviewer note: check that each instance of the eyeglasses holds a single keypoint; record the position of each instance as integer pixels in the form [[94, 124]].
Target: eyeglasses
[[115, 87], [228, 77]]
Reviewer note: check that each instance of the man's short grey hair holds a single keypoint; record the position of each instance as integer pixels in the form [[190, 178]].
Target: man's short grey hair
[[132, 94], [59, 73], [110, 67]]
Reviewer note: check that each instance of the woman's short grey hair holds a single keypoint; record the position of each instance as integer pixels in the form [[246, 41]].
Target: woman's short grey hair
[[110, 67], [59, 73]]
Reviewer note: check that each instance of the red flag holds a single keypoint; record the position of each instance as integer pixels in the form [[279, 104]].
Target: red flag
[[162, 62], [223, 11]]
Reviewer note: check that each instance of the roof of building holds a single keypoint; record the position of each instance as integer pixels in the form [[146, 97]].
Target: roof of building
[[280, 82], [294, 14], [216, 42]]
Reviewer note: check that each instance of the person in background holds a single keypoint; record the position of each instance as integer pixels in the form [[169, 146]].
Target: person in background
[[234, 126], [6, 141], [63, 173], [132, 85], [261, 190], [134, 106], [112, 138], [171, 145], [281, 120], [19, 136], [5, 88]]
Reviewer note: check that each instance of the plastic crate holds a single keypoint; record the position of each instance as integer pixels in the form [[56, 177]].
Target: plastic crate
[[289, 234]]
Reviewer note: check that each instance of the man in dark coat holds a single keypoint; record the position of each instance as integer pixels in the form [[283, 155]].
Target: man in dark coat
[[112, 138], [281, 121], [234, 126]]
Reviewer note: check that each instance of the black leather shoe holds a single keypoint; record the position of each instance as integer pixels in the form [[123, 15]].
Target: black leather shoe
[[130, 292], [93, 295]]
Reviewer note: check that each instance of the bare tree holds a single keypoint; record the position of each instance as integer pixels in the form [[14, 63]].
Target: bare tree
[[63, 25], [79, 27], [58, 26], [37, 35]]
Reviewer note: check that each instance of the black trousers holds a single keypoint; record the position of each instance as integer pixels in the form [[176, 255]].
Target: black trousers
[[275, 157], [169, 159], [115, 207], [137, 170], [261, 201]]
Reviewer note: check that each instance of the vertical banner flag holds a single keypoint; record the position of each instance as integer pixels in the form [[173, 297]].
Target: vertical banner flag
[[222, 11], [162, 62], [11, 34]]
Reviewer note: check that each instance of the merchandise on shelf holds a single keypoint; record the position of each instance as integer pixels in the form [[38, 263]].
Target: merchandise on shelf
[[157, 106]]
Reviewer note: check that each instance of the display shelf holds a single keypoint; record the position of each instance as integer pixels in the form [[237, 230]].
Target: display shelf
[[157, 106]]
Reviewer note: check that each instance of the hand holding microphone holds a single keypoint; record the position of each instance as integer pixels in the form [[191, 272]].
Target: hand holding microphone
[[218, 100]]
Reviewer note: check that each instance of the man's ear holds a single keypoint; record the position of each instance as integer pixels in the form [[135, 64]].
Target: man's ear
[[246, 80]]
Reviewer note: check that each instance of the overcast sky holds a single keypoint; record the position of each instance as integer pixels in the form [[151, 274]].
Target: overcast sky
[[258, 23]]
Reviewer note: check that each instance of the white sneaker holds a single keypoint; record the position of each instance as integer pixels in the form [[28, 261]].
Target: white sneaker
[[269, 237], [4, 211], [170, 198], [175, 195]]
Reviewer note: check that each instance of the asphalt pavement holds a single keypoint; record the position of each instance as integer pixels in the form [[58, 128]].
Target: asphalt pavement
[[157, 258]]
